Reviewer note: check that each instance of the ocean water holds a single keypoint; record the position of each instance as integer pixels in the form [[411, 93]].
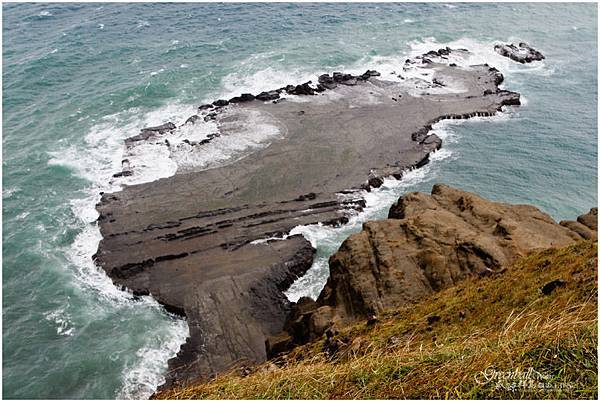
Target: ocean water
[[79, 78]]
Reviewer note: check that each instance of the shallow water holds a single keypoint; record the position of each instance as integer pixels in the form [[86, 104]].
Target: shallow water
[[79, 78]]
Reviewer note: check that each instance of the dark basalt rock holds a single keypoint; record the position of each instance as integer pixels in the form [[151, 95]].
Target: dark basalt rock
[[247, 97], [221, 102], [242, 98], [124, 173], [267, 96], [350, 81], [438, 83], [210, 116], [192, 119], [305, 197], [303, 89], [374, 181], [445, 51], [205, 107], [509, 98], [342, 77], [151, 132], [371, 73], [327, 81], [162, 128], [521, 54]]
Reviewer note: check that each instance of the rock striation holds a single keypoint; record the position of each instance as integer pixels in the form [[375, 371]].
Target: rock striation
[[213, 244], [428, 243], [521, 54]]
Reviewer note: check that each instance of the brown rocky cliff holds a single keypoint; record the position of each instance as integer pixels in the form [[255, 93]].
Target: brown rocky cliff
[[428, 243]]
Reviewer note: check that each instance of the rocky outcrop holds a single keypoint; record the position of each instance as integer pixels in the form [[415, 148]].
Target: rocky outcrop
[[521, 54], [213, 244], [428, 243], [585, 226]]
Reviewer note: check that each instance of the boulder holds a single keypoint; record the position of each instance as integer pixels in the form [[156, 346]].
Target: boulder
[[521, 54], [192, 119], [242, 98], [124, 173], [163, 128], [327, 81], [586, 225], [302, 89], [221, 102], [247, 97], [267, 96], [432, 143], [590, 219], [205, 107], [349, 81]]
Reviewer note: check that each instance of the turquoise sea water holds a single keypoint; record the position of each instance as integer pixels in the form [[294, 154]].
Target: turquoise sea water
[[79, 78]]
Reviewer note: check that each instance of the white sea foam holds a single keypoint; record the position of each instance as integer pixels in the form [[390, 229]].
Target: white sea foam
[[247, 79], [96, 160], [249, 131], [22, 215], [62, 319], [479, 53], [417, 79], [101, 155], [8, 192], [146, 374]]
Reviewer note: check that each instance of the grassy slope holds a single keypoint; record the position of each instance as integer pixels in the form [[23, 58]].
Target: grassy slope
[[502, 322]]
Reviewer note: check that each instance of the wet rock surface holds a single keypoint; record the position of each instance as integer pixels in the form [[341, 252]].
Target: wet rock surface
[[428, 243], [521, 54], [214, 244]]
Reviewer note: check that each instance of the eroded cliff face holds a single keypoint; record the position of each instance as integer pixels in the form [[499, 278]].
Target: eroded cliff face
[[428, 243]]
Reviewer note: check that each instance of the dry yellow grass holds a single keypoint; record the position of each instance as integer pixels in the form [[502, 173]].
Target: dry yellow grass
[[502, 323]]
